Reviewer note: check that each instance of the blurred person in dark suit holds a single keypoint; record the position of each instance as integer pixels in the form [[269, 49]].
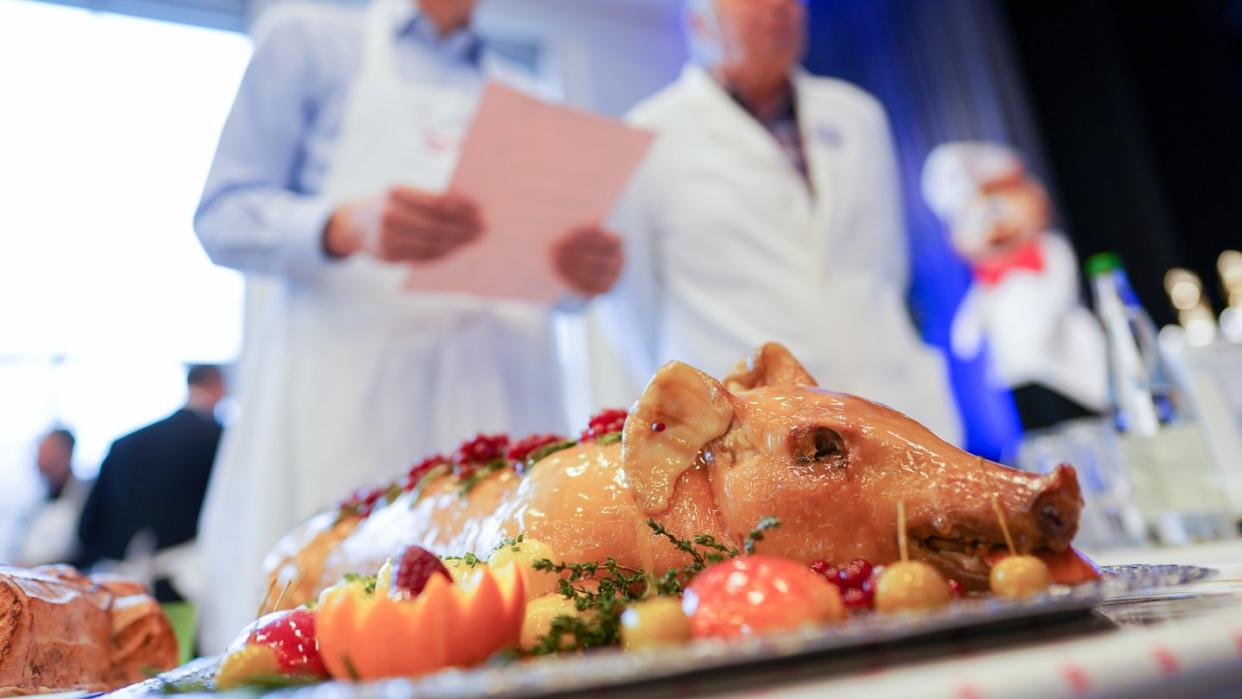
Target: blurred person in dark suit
[[49, 535], [143, 512]]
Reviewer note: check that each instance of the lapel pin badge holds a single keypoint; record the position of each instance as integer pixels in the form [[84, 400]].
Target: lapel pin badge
[[828, 135]]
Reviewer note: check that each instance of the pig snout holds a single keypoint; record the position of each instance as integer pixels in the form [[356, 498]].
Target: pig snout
[[1057, 507]]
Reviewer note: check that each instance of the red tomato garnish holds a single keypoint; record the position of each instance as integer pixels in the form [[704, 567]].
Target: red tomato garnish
[[755, 594]]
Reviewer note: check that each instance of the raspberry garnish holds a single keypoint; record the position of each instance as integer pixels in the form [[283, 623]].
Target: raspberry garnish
[[414, 568]]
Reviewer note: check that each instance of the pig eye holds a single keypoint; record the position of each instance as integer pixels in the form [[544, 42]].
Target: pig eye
[[814, 444]]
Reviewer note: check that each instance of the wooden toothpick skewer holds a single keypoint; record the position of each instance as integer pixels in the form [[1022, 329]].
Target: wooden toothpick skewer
[[901, 530], [266, 596], [281, 597], [1004, 527]]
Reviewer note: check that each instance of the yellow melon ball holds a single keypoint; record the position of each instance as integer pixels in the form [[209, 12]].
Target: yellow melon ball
[[539, 615], [246, 665], [654, 623], [1016, 577], [524, 553], [461, 568], [910, 586]]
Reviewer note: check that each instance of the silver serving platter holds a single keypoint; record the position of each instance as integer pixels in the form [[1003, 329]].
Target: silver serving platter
[[613, 668]]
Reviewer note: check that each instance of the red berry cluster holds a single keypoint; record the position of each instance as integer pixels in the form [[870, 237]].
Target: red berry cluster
[[854, 580], [483, 449], [523, 448], [607, 422], [421, 469], [363, 501]]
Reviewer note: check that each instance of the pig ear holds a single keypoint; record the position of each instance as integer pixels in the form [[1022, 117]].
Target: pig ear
[[680, 411], [770, 365]]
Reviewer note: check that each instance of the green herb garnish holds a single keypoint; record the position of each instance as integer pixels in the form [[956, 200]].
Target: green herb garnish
[[756, 534], [610, 438], [619, 586], [368, 581], [514, 544], [469, 560], [477, 475], [548, 450], [186, 686]]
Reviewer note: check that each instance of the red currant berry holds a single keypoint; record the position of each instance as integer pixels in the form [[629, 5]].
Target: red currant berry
[[523, 448], [827, 570], [854, 573], [292, 639], [414, 568], [857, 598], [420, 469], [607, 422], [955, 589], [482, 449]]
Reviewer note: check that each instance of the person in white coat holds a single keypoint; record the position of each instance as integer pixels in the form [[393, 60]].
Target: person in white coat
[[768, 209], [327, 191], [1024, 304]]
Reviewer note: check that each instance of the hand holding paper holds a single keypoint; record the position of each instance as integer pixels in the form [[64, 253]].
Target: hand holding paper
[[538, 173], [589, 258]]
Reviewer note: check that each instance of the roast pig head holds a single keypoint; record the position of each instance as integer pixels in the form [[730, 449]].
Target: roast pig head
[[833, 467]]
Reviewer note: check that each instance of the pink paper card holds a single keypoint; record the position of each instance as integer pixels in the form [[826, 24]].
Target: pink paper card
[[536, 171]]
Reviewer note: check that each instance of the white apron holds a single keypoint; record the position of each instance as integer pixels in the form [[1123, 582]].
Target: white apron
[[345, 378]]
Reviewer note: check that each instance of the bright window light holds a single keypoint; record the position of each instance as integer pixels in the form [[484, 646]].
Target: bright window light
[[107, 131]]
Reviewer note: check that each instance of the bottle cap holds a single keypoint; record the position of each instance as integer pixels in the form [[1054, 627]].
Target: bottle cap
[[1103, 263]]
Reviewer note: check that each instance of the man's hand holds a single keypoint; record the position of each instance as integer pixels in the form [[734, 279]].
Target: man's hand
[[589, 258], [403, 224]]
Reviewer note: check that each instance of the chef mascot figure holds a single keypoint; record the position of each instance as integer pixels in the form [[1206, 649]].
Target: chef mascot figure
[[1024, 303]]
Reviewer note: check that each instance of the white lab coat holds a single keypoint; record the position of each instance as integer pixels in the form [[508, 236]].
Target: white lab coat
[[727, 248], [346, 378]]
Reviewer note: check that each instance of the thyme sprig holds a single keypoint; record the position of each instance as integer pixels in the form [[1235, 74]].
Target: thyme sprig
[[514, 544], [600, 605], [469, 560]]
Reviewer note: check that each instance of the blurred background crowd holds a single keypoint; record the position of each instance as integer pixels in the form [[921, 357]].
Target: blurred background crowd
[[1028, 136]]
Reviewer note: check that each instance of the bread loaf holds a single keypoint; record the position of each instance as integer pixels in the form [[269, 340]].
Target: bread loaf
[[61, 630]]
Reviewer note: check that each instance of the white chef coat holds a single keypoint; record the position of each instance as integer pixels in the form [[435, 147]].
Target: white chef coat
[[346, 378], [728, 246]]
